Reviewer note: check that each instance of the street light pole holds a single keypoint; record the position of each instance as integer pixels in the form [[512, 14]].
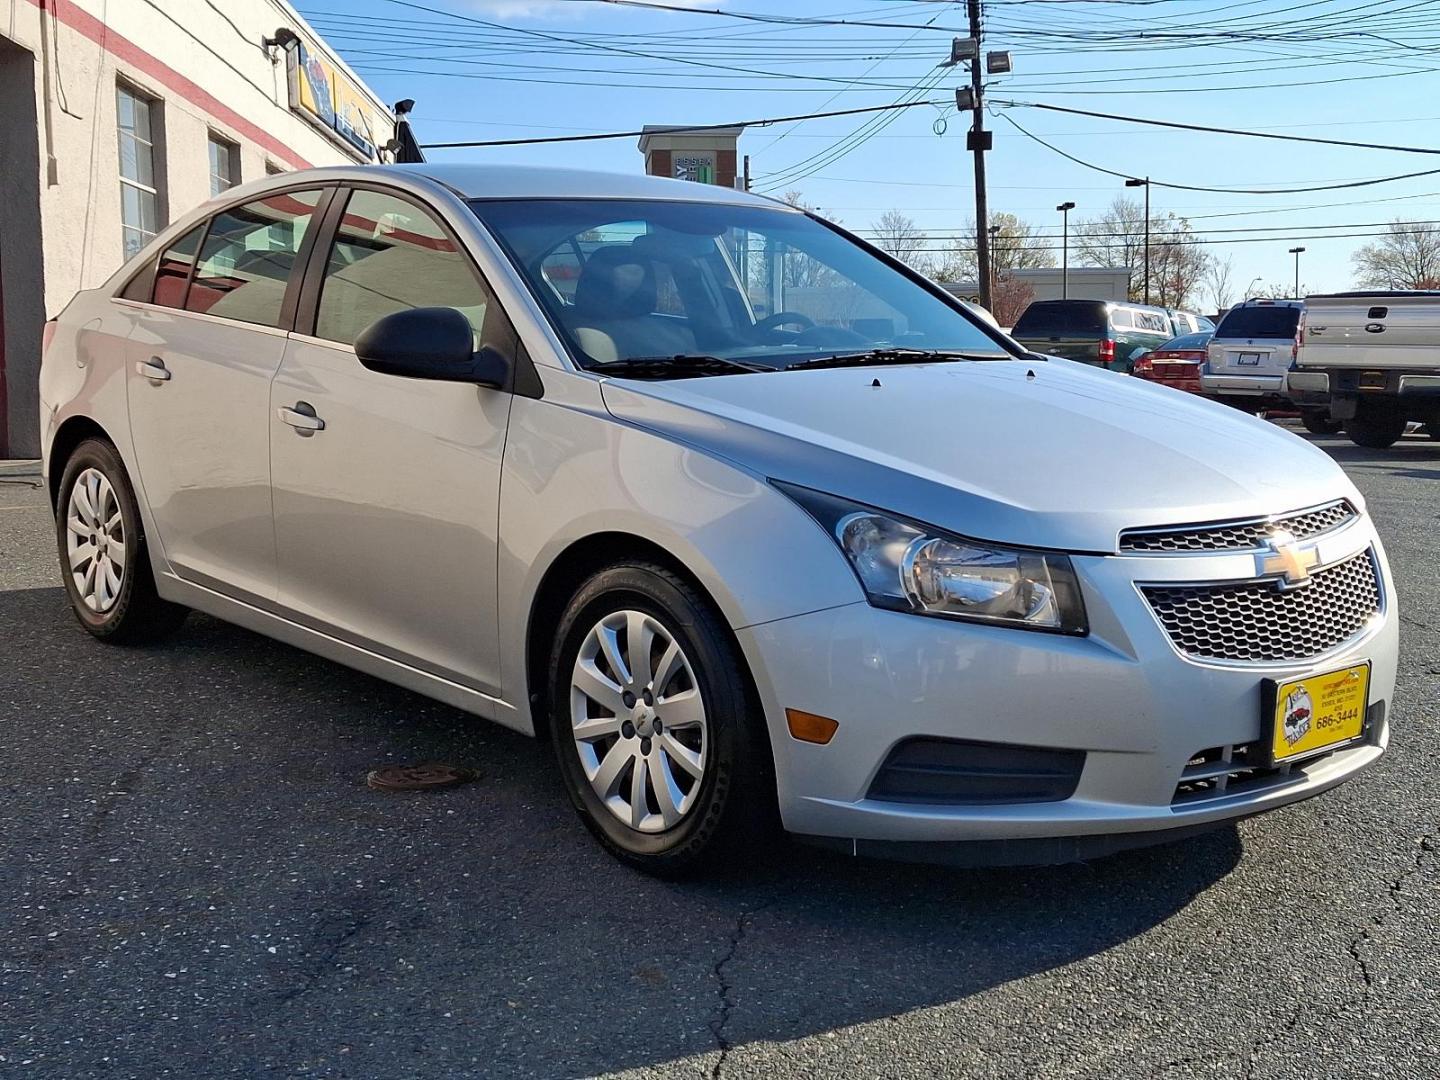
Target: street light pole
[[1296, 252], [994, 249], [1146, 185], [1065, 208]]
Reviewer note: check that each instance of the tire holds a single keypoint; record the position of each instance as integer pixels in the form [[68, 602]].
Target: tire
[[118, 604], [1318, 422], [733, 797], [1375, 430]]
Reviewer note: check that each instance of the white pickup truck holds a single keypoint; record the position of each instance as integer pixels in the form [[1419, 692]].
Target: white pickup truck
[[1372, 358]]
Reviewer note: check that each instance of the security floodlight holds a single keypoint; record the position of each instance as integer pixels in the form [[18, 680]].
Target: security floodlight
[[283, 37], [997, 63], [964, 49], [1064, 206], [402, 108], [964, 98]]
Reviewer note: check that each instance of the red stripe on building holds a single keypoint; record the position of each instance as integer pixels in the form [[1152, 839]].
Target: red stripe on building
[[122, 48]]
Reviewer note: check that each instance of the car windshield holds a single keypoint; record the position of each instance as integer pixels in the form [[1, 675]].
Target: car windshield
[[1063, 317], [719, 288], [1259, 322]]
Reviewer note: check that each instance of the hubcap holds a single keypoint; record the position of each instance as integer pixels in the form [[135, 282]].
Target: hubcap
[[638, 721], [95, 541]]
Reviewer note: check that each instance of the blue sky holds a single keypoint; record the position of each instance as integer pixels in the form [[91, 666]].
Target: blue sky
[[1342, 69]]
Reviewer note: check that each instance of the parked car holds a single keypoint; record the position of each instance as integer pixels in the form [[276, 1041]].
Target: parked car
[[1097, 332], [1252, 349], [1187, 322], [1177, 363], [516, 439], [1369, 360]]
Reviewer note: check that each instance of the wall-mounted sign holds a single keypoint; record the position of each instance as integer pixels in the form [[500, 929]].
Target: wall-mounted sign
[[327, 97]]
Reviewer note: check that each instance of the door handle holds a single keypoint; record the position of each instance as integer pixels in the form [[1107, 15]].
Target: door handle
[[153, 369], [302, 418]]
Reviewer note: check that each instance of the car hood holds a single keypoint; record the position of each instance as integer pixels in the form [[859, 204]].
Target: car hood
[[1044, 453]]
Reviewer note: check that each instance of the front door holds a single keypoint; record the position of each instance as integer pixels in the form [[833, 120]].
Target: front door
[[200, 361], [386, 489]]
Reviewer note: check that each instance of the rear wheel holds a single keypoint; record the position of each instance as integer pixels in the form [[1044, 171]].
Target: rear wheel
[[659, 744], [1375, 428], [1318, 422], [103, 555]]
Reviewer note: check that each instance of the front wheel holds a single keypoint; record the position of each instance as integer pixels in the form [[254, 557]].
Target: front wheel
[[103, 554], [1318, 422], [660, 746]]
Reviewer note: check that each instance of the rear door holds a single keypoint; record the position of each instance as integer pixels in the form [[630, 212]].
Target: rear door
[[1069, 328], [386, 489], [1255, 342], [201, 358]]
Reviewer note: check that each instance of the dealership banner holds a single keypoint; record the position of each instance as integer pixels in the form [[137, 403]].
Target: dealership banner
[[328, 98]]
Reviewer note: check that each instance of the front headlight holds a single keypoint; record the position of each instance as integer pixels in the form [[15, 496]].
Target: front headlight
[[907, 566]]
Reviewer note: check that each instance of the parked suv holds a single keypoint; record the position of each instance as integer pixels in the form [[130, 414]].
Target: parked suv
[[1098, 332], [520, 440], [1252, 349]]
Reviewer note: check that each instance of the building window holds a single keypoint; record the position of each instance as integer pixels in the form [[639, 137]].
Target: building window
[[224, 164], [139, 190]]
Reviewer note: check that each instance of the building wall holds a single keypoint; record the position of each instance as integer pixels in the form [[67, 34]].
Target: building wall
[[1085, 283], [206, 70]]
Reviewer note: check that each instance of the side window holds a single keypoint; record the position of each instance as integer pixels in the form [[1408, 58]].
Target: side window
[[1151, 321], [1122, 319], [173, 270], [248, 255], [389, 255]]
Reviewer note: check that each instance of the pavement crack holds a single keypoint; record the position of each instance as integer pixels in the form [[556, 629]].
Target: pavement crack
[[726, 988], [350, 924]]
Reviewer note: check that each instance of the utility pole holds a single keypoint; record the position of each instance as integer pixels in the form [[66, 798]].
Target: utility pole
[[978, 141], [1296, 252], [1146, 185]]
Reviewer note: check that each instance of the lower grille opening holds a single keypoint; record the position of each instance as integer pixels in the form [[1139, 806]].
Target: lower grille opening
[[1224, 771], [957, 772]]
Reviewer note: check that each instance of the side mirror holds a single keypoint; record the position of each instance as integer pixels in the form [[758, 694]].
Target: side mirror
[[430, 343]]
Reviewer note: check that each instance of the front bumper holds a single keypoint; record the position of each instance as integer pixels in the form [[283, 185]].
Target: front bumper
[[1124, 695]]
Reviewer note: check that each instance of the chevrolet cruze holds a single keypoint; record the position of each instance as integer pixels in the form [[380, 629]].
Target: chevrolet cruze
[[746, 518]]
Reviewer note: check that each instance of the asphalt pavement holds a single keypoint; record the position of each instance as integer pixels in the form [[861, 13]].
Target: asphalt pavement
[[195, 881]]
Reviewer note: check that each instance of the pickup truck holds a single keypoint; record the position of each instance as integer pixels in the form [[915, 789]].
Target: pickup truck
[[1372, 359]]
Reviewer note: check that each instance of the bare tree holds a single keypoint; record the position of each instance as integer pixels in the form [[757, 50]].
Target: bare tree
[[1406, 257], [1016, 245], [1117, 238], [1219, 280], [1010, 297], [898, 234]]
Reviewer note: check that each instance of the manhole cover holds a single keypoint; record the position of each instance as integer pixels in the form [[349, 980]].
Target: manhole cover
[[418, 777]]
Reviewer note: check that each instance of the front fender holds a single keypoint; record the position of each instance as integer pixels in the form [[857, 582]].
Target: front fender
[[572, 473]]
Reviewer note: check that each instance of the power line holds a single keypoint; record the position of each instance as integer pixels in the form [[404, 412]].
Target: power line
[[1216, 130], [681, 129], [1217, 190]]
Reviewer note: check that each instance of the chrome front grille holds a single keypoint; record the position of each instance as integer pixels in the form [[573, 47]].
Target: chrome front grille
[[1254, 621], [1238, 535]]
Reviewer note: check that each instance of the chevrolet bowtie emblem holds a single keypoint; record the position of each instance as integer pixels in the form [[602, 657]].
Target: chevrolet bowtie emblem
[[1287, 560]]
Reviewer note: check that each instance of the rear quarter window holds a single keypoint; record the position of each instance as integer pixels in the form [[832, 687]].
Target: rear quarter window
[[1260, 322]]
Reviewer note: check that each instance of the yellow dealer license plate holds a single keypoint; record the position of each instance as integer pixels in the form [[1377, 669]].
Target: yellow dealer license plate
[[1318, 713]]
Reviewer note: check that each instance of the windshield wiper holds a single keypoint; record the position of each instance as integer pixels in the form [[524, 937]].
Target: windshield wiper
[[890, 356], [676, 366]]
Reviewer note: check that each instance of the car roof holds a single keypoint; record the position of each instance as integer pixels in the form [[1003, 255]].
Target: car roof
[[1265, 301], [532, 182]]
